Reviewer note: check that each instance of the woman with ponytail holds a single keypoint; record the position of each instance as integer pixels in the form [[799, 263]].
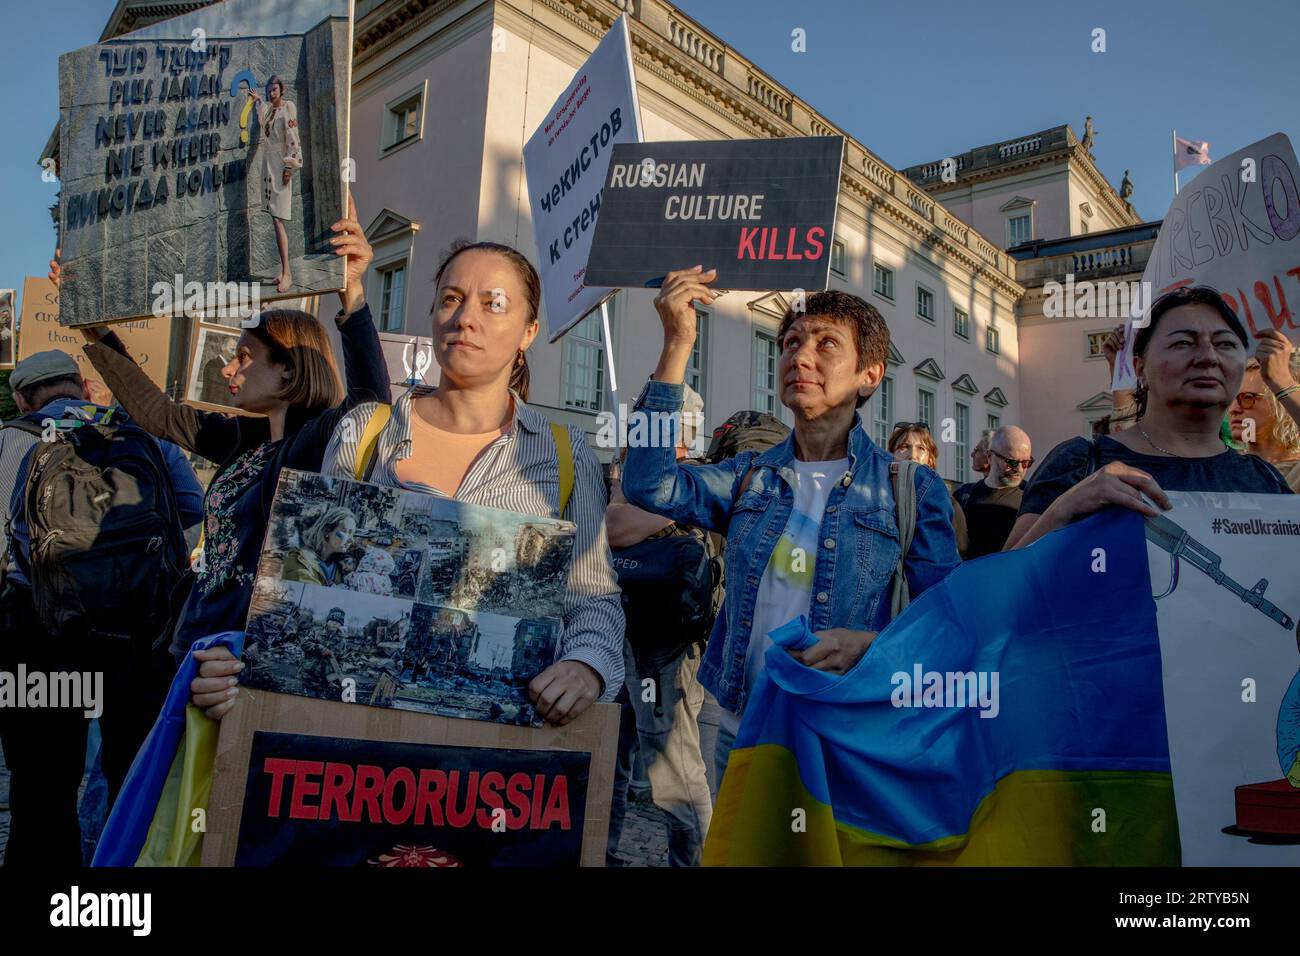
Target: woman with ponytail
[[475, 439]]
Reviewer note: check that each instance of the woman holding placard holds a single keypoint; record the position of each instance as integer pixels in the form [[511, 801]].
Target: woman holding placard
[[476, 440], [284, 373]]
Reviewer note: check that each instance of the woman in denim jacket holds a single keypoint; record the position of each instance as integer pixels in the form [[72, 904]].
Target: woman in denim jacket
[[811, 524]]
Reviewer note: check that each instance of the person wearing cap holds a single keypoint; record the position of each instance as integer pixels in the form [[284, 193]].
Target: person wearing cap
[[45, 749], [667, 726]]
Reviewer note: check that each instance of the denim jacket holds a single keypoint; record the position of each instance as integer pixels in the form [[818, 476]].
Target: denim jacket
[[858, 542]]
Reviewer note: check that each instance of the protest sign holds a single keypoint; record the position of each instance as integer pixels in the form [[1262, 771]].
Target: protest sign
[[323, 783], [1228, 600], [8, 328], [148, 340], [193, 150], [762, 212], [402, 599], [1233, 228], [566, 160]]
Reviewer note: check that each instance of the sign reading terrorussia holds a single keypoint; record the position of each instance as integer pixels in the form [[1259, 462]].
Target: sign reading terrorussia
[[327, 783], [192, 152], [566, 160], [1235, 228], [147, 340], [762, 212]]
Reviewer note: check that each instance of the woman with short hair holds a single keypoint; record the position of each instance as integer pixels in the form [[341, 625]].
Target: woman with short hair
[[284, 374], [1189, 359]]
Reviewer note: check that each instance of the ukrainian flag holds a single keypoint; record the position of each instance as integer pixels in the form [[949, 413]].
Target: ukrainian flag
[[153, 822], [1070, 767]]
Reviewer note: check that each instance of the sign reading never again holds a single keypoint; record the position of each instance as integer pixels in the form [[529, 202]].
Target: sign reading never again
[[762, 212], [204, 151]]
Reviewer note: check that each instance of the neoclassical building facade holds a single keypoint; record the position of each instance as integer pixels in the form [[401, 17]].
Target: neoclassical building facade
[[446, 92]]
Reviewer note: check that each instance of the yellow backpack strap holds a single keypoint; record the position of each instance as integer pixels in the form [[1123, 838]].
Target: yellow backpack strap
[[370, 442], [564, 456]]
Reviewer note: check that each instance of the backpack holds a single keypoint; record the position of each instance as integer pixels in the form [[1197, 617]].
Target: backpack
[[106, 541], [667, 587], [745, 431]]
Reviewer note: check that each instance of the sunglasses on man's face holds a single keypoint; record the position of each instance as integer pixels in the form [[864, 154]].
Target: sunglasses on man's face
[[1248, 399], [1022, 463]]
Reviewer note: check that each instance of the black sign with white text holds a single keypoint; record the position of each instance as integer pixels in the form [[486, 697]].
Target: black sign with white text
[[761, 212]]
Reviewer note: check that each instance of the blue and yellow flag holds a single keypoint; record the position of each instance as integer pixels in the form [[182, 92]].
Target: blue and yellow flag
[[153, 821], [1012, 715]]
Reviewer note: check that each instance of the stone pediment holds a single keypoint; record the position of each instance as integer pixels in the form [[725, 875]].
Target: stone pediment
[[1099, 402], [774, 305], [1018, 202], [390, 225], [964, 383], [995, 396], [930, 369]]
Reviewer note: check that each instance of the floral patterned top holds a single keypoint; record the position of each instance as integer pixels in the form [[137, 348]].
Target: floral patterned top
[[227, 560]]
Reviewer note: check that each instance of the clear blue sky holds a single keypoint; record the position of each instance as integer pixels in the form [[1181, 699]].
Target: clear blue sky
[[913, 81]]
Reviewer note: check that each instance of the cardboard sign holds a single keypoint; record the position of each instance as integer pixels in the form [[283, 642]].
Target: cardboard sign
[[322, 783], [1235, 228], [8, 328], [402, 599], [762, 212], [188, 149], [566, 161], [1228, 606], [148, 340]]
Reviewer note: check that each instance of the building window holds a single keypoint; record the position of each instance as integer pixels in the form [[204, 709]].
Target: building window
[[994, 423], [991, 339], [883, 281], [925, 303], [766, 357], [392, 298], [1095, 342], [403, 119], [1018, 230], [882, 411], [925, 407], [961, 324], [584, 364], [837, 257], [699, 361], [962, 451]]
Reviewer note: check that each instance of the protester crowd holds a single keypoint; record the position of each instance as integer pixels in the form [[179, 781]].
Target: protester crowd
[[772, 524]]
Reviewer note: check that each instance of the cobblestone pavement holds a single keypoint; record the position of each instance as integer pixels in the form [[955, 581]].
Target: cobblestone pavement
[[644, 841]]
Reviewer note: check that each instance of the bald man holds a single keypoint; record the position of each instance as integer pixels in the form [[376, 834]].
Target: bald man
[[991, 505]]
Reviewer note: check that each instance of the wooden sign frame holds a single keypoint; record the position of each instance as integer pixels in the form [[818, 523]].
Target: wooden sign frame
[[594, 732]]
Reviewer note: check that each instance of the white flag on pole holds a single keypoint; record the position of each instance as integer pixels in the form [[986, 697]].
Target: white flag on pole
[[1191, 152]]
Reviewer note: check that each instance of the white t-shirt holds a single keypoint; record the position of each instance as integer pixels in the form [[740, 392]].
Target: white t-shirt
[[786, 587]]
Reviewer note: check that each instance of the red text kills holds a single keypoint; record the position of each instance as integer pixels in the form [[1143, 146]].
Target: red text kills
[[774, 243]]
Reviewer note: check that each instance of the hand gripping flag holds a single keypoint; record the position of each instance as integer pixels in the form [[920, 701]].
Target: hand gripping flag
[[152, 822], [1012, 715]]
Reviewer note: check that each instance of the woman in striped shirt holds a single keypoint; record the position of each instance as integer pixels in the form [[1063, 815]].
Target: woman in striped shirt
[[475, 439]]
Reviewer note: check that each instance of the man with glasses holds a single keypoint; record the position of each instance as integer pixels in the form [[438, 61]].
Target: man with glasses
[[991, 505]]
